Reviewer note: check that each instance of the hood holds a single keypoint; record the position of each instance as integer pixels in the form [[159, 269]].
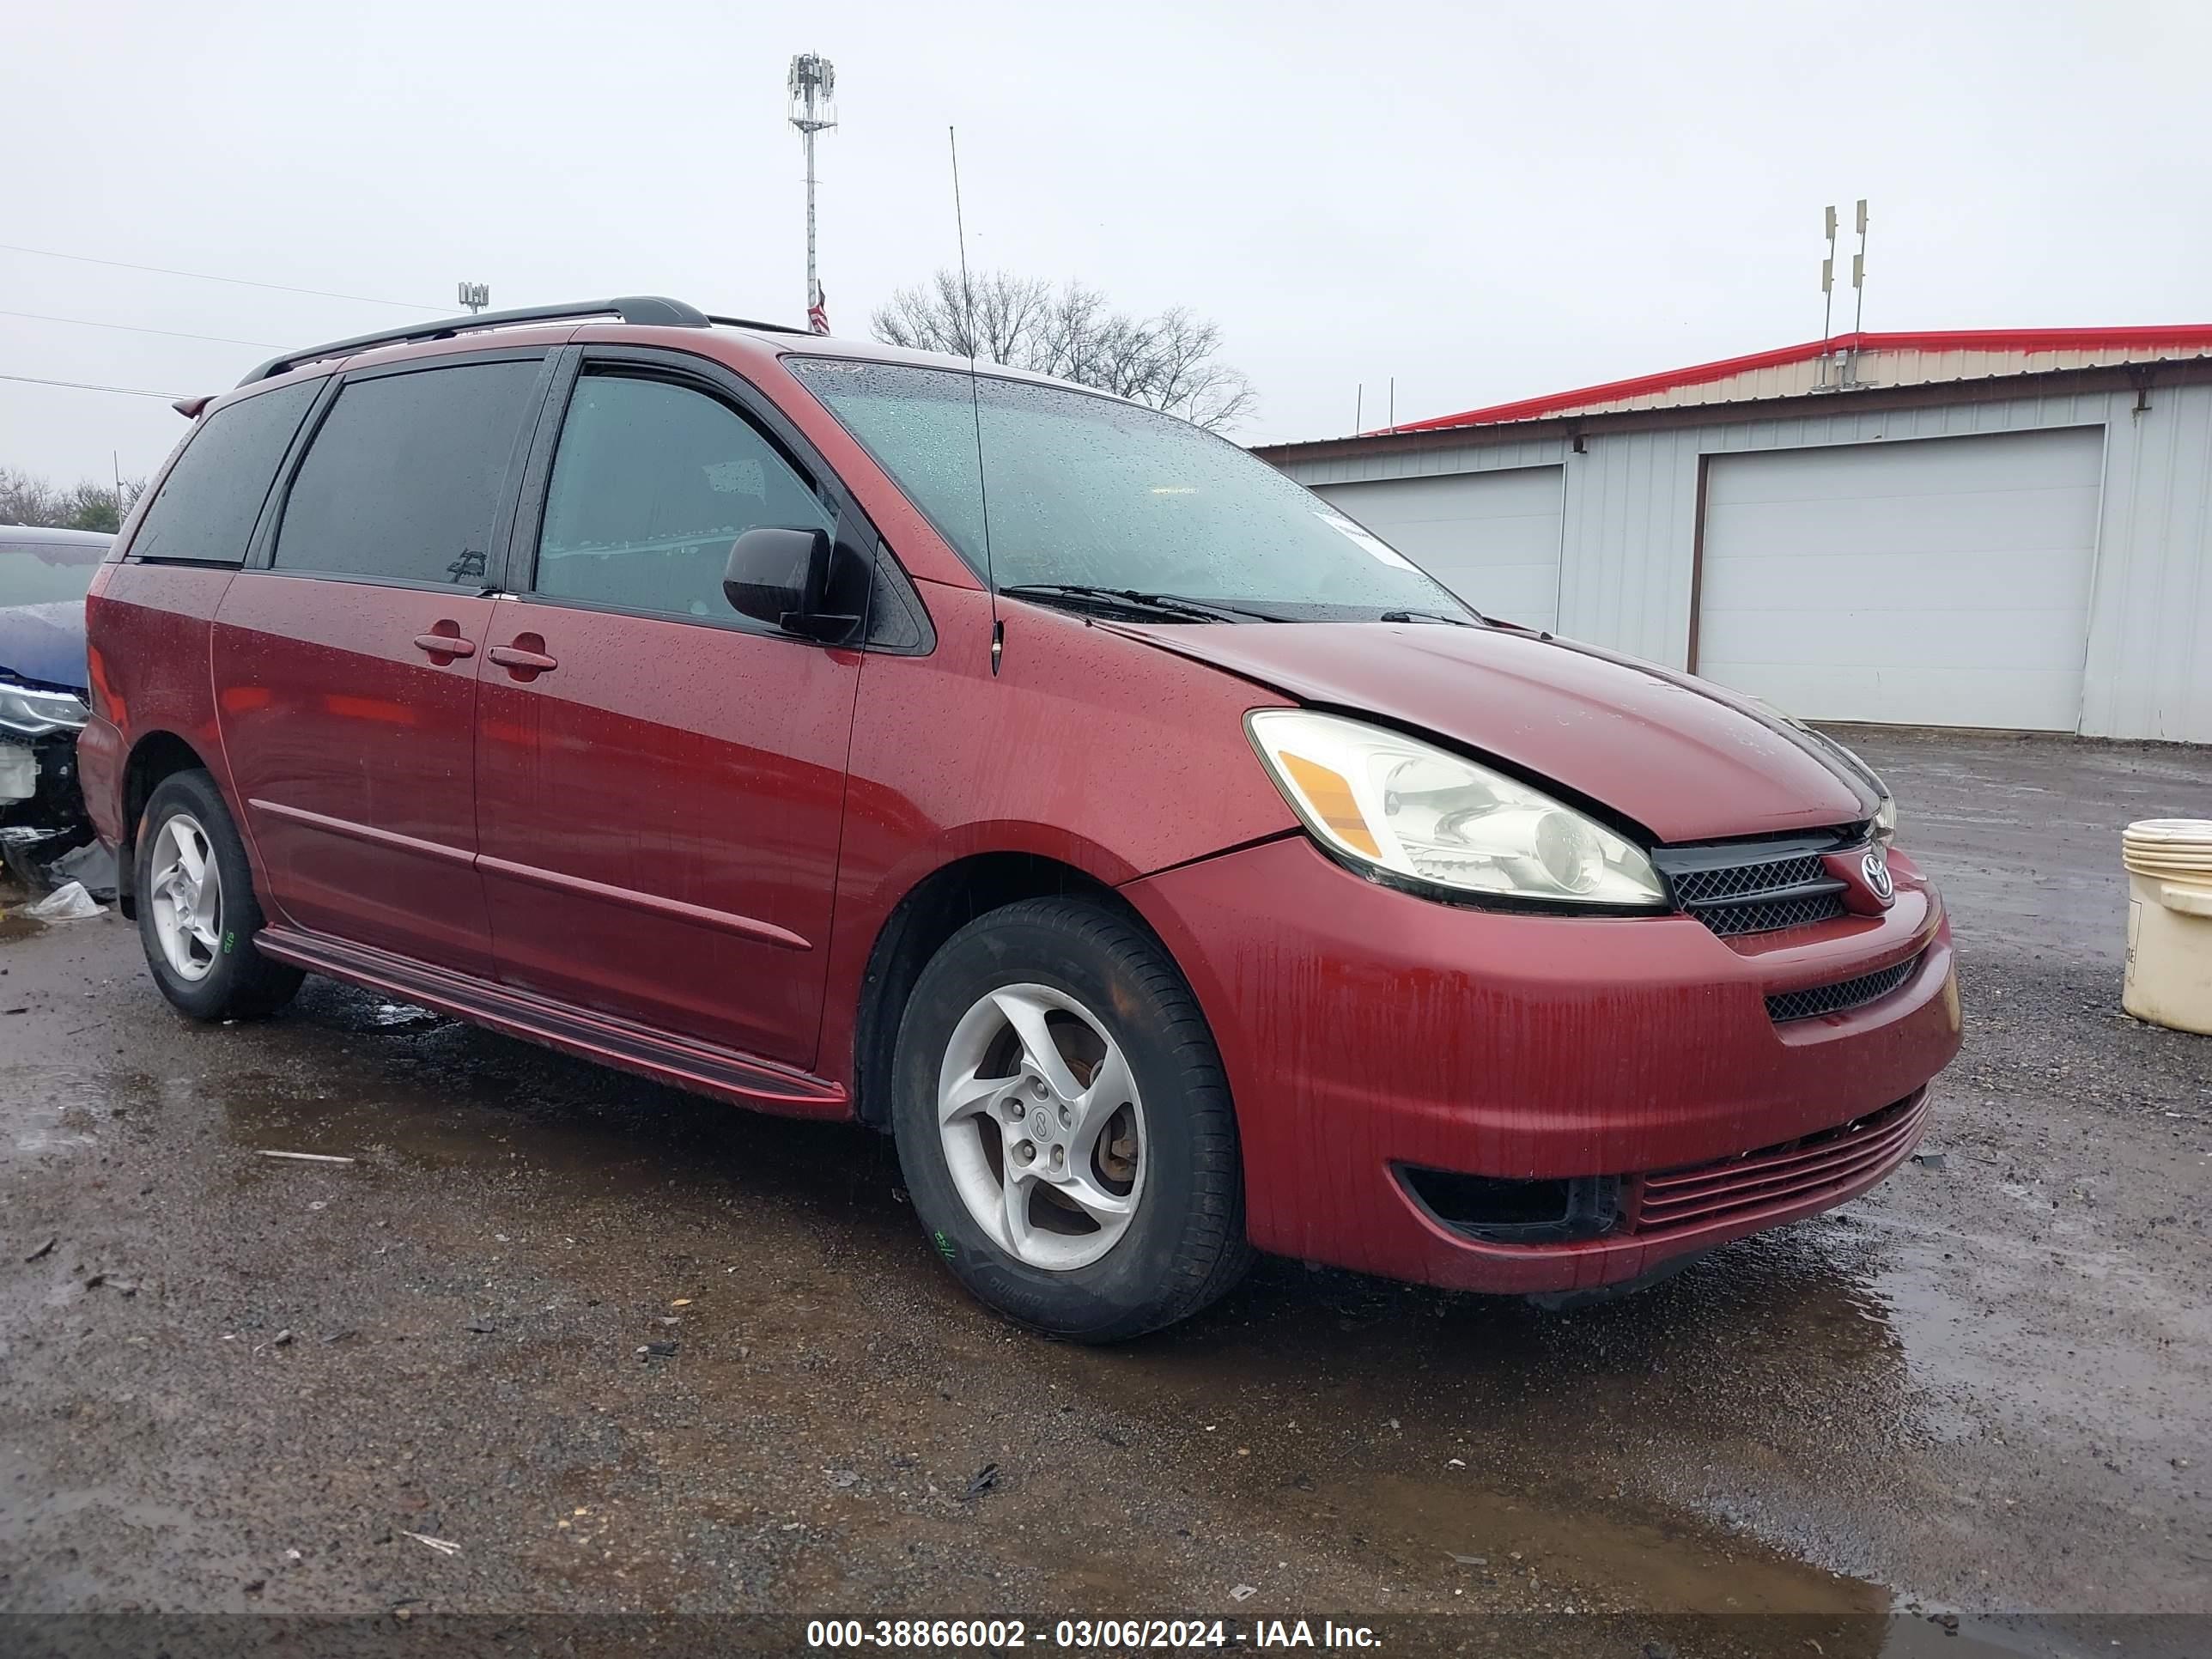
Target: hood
[[1677, 754], [45, 643]]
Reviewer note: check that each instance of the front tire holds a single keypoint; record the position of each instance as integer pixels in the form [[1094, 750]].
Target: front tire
[[197, 915], [1064, 1127]]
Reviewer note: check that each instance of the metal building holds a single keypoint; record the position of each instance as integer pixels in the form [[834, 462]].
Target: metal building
[[2005, 528]]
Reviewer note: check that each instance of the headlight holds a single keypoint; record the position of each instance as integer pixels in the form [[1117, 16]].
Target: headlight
[[1401, 805], [33, 714]]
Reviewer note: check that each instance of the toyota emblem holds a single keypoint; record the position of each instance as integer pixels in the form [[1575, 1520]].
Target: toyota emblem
[[1875, 868]]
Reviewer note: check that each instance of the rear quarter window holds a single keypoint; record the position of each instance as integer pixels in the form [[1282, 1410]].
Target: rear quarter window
[[205, 509]]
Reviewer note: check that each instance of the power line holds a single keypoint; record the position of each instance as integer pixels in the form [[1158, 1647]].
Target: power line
[[203, 276], [133, 328], [86, 386]]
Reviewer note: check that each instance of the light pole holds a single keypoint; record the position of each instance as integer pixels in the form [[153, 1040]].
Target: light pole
[[813, 87]]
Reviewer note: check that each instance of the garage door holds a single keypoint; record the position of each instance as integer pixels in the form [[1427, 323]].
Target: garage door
[[1491, 537], [1938, 583]]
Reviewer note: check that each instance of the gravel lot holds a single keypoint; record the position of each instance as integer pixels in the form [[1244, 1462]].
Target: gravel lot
[[236, 1384]]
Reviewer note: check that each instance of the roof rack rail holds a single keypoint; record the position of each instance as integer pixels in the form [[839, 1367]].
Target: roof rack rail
[[645, 309], [754, 322]]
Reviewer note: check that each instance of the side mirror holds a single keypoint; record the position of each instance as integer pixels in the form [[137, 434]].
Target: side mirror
[[781, 577]]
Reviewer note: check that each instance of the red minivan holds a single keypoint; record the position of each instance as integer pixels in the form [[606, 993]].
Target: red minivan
[[1168, 864]]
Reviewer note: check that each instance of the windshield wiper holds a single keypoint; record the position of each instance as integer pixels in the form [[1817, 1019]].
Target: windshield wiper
[[1480, 621], [1172, 605]]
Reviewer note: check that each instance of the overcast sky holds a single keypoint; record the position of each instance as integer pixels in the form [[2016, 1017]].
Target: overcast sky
[[1485, 201]]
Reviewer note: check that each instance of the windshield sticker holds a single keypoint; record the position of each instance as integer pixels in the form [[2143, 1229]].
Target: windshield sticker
[[1381, 551], [742, 477]]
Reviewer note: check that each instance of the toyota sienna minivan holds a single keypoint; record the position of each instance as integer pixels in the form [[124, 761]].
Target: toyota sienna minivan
[[1169, 865]]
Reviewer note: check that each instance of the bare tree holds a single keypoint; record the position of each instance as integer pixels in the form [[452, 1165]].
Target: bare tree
[[1168, 362], [85, 506]]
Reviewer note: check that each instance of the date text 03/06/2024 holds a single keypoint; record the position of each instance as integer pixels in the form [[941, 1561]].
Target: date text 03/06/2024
[[1085, 1634]]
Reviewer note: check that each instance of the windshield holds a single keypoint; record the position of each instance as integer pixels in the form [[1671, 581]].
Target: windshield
[[46, 573], [1090, 491]]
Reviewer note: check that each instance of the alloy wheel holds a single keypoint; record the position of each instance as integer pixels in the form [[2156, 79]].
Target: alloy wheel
[[186, 893], [1042, 1126]]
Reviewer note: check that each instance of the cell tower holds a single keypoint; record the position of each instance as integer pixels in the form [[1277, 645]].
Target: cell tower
[[813, 87], [1845, 358]]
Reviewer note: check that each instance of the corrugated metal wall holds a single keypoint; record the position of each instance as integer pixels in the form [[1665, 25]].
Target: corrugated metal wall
[[1629, 529]]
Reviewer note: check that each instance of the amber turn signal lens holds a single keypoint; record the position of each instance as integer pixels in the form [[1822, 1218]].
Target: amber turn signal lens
[[1330, 795]]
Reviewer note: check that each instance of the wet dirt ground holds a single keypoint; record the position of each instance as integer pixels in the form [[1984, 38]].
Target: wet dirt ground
[[235, 1384]]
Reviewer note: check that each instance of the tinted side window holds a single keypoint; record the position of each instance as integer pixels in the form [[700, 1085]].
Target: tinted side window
[[404, 479], [650, 484], [207, 505]]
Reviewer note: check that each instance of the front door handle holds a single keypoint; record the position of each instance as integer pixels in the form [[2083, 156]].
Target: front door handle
[[439, 643], [525, 658]]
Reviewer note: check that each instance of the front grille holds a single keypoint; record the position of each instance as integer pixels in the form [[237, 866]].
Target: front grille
[[1755, 887], [1817, 999], [1772, 915], [1746, 880], [1789, 1174]]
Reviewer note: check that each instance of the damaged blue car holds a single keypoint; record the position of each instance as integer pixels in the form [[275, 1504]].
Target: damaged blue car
[[44, 680]]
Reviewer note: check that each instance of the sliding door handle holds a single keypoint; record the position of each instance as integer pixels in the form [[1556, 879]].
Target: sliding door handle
[[525, 658]]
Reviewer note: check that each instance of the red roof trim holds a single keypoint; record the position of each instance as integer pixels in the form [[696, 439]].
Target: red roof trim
[[1968, 339]]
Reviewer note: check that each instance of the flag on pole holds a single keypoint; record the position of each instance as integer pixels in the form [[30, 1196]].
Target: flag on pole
[[817, 313]]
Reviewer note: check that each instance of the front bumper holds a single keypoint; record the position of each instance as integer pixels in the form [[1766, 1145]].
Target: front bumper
[[40, 794], [1367, 1032]]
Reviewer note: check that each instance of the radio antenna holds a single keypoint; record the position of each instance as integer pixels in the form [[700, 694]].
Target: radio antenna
[[975, 403]]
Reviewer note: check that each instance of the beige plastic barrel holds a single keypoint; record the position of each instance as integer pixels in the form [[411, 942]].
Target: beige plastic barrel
[[2169, 865]]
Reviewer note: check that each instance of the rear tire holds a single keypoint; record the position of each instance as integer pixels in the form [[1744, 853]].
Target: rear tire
[[1127, 1212], [198, 914]]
